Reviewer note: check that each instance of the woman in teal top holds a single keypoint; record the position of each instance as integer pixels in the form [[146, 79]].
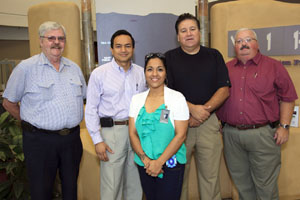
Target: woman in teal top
[[157, 127]]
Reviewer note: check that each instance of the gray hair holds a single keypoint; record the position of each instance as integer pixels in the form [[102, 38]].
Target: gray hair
[[49, 25], [245, 29]]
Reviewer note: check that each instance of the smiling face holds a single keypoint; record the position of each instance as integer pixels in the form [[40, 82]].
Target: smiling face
[[155, 73], [246, 45], [53, 49], [122, 50], [189, 36]]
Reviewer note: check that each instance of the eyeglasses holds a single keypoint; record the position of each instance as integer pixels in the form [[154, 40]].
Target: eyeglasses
[[154, 55], [246, 40], [53, 38]]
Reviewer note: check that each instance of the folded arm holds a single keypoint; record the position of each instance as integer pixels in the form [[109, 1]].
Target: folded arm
[[202, 112]]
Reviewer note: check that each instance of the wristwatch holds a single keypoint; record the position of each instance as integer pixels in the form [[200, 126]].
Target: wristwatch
[[286, 126]]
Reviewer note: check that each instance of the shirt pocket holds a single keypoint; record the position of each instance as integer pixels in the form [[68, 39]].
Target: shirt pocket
[[46, 89], [76, 86], [261, 86]]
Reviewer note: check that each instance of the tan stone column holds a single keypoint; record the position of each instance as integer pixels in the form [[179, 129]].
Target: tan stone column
[[204, 24], [88, 42]]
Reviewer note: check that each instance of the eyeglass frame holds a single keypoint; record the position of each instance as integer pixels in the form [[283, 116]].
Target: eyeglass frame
[[246, 40], [54, 38]]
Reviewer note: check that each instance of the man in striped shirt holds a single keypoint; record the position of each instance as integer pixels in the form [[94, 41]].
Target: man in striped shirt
[[110, 89]]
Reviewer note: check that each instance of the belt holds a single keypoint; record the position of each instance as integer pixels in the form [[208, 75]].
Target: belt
[[254, 126], [125, 122], [107, 122], [28, 127]]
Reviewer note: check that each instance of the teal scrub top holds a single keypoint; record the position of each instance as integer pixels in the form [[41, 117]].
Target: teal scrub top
[[155, 136]]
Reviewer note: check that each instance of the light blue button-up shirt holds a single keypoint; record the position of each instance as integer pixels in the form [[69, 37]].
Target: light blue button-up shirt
[[49, 99], [109, 93]]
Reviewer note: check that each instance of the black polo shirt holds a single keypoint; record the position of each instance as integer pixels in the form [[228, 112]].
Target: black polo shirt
[[196, 76]]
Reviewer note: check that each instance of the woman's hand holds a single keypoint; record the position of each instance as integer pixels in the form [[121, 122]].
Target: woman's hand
[[154, 168], [146, 160]]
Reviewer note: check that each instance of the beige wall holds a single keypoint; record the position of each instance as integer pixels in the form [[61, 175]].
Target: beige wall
[[14, 12], [14, 49], [261, 14]]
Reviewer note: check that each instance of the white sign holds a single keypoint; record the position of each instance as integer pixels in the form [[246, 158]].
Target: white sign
[[295, 118]]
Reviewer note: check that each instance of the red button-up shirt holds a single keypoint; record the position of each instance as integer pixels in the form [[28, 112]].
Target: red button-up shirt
[[257, 88]]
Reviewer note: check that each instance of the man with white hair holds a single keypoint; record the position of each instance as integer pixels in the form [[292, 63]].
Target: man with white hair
[[256, 118], [46, 93]]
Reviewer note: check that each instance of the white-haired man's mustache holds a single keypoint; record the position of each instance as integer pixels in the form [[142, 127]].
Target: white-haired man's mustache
[[56, 46]]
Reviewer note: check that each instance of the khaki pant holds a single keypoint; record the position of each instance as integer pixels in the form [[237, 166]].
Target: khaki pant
[[206, 143], [119, 176], [253, 160]]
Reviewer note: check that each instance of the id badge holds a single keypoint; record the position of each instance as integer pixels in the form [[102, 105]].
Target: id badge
[[164, 117]]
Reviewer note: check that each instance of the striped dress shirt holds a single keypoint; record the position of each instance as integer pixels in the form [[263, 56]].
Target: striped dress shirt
[[109, 93]]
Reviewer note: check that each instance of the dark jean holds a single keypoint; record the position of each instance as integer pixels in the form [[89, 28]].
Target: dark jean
[[46, 153], [168, 187]]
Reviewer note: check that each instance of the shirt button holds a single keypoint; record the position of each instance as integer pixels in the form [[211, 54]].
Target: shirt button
[[243, 77], [241, 113], [241, 88], [241, 99]]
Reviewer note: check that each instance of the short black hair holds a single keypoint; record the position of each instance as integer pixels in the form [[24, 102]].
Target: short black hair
[[183, 17], [118, 33]]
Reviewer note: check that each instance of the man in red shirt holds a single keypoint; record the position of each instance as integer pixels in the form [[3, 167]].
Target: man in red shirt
[[256, 118]]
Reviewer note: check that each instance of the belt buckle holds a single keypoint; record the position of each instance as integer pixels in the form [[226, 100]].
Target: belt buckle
[[242, 127], [64, 131]]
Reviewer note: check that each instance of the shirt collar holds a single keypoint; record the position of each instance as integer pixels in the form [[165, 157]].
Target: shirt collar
[[116, 66], [44, 61], [255, 60]]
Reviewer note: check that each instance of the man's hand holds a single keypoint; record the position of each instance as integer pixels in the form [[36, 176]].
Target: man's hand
[[193, 122], [281, 135], [200, 112], [101, 149]]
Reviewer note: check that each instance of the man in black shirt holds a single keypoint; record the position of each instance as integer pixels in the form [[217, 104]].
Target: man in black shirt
[[201, 75]]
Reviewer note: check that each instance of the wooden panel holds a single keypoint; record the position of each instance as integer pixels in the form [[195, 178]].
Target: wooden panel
[[65, 13], [261, 14]]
